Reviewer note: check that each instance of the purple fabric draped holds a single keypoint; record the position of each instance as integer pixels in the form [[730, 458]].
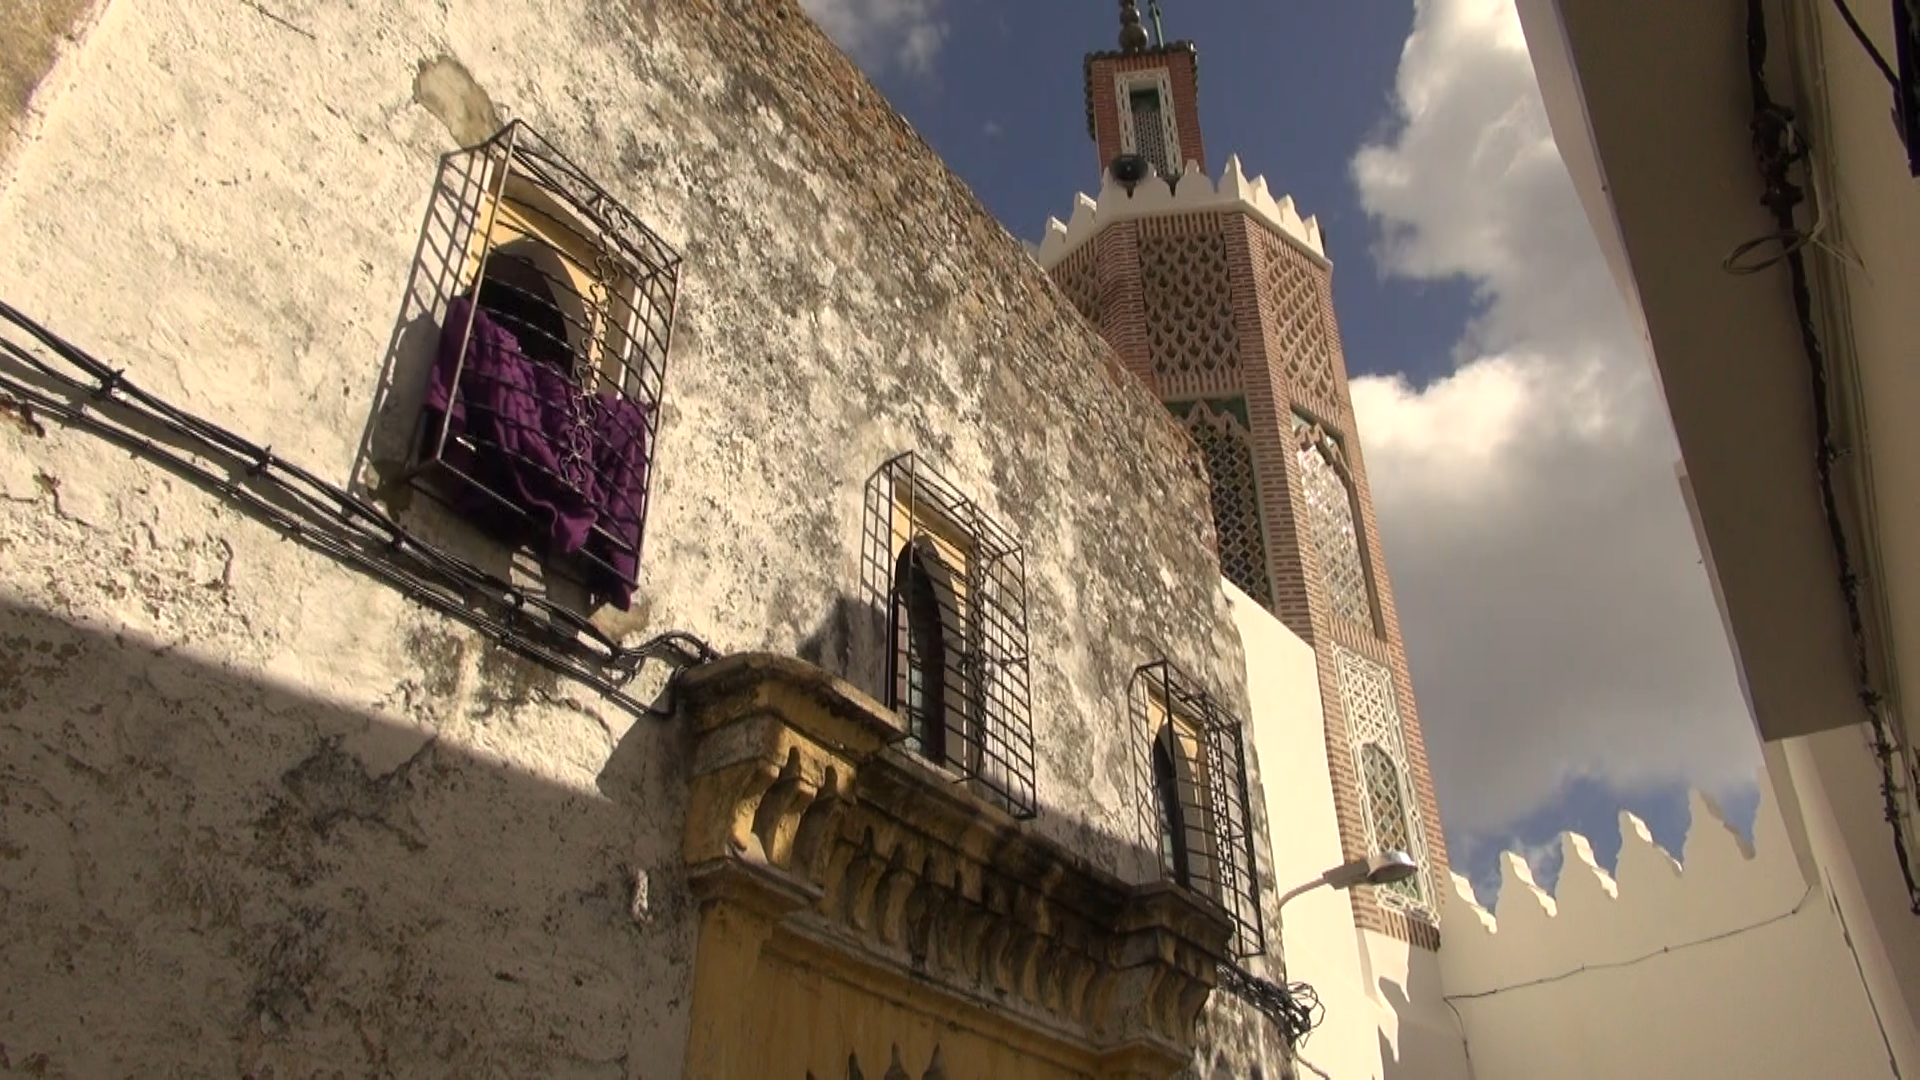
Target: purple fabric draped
[[574, 464]]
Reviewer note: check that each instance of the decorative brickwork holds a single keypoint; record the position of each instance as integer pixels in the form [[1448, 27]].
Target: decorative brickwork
[[1319, 565], [1299, 328], [1181, 64], [1189, 297], [1336, 542], [1078, 276], [1220, 429]]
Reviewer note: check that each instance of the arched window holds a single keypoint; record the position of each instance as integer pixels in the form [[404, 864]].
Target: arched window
[[1173, 819], [1387, 807], [920, 649], [519, 294]]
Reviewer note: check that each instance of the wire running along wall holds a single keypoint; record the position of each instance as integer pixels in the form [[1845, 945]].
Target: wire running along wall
[[953, 585], [45, 375], [542, 403], [1190, 790]]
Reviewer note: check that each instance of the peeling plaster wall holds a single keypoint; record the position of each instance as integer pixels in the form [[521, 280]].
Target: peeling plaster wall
[[343, 829]]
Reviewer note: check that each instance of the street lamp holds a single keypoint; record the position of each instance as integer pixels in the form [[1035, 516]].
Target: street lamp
[[1380, 868]]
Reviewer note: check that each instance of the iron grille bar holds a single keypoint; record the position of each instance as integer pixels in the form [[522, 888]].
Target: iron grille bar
[[953, 583], [543, 400], [1190, 784]]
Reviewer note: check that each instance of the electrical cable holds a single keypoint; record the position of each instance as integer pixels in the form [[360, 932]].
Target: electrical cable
[[1641, 959], [331, 520], [1295, 1008], [1873, 51], [1778, 146]]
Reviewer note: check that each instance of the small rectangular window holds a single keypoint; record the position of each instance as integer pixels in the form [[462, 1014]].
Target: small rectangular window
[[1150, 130], [953, 586], [543, 398], [1191, 790]]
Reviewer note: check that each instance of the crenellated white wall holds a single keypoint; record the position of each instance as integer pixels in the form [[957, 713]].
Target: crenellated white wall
[[1728, 963], [1195, 193]]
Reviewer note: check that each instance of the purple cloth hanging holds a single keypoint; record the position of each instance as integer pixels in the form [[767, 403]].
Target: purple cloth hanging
[[575, 465]]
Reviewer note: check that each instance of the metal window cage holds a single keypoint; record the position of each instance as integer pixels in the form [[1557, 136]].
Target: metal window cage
[[953, 585], [543, 399], [1207, 803]]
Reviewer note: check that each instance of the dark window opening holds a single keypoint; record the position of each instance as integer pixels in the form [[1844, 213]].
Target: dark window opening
[[920, 686], [520, 297], [1150, 131], [1173, 821]]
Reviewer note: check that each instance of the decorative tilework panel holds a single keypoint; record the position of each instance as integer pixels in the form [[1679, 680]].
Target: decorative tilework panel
[[1079, 278], [1330, 512], [1379, 756]]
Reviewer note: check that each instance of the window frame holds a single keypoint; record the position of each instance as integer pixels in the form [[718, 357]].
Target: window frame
[[613, 286], [1386, 733], [1160, 82], [986, 740], [1206, 748]]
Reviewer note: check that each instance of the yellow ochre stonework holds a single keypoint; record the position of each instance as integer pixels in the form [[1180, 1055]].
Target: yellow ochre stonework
[[858, 911]]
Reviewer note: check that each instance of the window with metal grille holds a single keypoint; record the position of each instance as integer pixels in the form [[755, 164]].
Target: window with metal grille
[[1334, 525], [1392, 816], [543, 398], [954, 586], [1191, 790]]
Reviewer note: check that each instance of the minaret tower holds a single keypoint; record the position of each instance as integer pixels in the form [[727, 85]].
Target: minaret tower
[[1219, 298]]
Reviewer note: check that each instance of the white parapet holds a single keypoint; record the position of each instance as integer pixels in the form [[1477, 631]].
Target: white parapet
[[1195, 193], [1651, 902]]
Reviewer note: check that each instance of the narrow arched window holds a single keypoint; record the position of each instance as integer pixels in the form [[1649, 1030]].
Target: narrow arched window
[[1173, 819], [1387, 809], [520, 295], [920, 651]]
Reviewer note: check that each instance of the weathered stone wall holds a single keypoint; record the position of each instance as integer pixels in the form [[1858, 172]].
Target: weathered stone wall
[[256, 811]]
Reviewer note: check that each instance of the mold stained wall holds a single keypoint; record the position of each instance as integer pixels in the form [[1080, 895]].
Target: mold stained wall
[[259, 811]]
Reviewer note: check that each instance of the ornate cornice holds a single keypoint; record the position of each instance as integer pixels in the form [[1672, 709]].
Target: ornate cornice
[[803, 810]]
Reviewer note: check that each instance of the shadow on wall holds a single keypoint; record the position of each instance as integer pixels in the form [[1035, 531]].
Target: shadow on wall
[[213, 876], [1431, 1044]]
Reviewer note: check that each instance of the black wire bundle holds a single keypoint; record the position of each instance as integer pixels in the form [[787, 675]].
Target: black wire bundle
[[1295, 1008], [1778, 146], [325, 517]]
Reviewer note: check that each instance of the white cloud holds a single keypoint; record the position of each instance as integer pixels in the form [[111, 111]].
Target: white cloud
[[882, 34], [1557, 617]]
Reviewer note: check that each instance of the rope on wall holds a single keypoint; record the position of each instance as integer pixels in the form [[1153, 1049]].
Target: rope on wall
[[62, 381]]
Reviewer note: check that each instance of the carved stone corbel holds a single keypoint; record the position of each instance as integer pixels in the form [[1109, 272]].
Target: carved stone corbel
[[808, 836]]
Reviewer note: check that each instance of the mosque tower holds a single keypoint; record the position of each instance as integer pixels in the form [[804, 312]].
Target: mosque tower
[[1219, 297]]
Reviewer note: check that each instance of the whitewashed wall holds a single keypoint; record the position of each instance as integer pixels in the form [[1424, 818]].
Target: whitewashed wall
[[1733, 966]]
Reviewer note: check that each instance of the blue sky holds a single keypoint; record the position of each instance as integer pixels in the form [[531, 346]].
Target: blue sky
[[1567, 657]]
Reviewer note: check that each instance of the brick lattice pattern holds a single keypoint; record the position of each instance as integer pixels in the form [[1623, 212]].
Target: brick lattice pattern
[[1291, 288], [1189, 294], [1228, 447], [1336, 540], [1078, 276]]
